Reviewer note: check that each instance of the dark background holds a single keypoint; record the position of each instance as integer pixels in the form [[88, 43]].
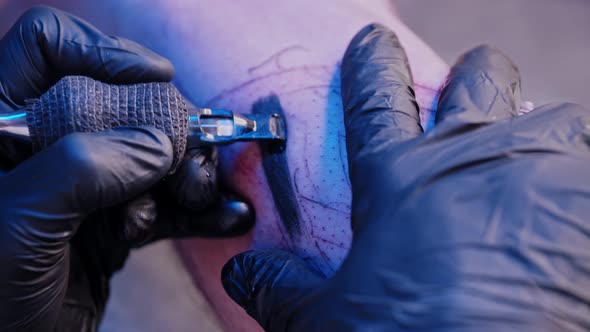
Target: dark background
[[549, 40]]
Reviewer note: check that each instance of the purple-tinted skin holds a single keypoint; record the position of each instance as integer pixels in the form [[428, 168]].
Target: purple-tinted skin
[[228, 54]]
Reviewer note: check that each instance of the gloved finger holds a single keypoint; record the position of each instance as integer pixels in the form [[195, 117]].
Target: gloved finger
[[228, 216], [484, 83], [194, 184], [191, 189], [134, 221], [271, 286], [46, 44], [152, 217], [84, 172], [377, 93], [45, 198], [188, 203]]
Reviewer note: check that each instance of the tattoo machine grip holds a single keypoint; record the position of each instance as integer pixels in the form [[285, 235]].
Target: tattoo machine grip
[[81, 104]]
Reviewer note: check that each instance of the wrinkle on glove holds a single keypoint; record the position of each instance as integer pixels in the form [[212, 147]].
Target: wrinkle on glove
[[271, 285], [481, 224], [483, 82], [46, 44], [377, 112], [373, 106], [43, 203], [72, 212]]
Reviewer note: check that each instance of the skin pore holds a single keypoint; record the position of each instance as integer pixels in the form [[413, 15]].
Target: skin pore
[[228, 54]]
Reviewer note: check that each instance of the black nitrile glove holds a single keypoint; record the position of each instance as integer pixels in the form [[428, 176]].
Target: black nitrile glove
[[481, 224], [71, 213]]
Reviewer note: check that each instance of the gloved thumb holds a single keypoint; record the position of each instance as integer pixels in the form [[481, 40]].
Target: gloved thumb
[[271, 286]]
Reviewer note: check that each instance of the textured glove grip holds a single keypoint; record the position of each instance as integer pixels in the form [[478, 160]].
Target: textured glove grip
[[81, 104]]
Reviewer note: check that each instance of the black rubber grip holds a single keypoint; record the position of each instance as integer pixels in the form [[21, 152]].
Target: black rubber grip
[[81, 104]]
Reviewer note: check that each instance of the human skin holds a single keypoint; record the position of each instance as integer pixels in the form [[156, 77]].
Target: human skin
[[228, 54]]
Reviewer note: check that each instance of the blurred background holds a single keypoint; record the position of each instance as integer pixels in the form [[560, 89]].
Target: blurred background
[[548, 39]]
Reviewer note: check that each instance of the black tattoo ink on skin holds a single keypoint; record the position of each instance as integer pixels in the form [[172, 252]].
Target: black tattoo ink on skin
[[276, 169]]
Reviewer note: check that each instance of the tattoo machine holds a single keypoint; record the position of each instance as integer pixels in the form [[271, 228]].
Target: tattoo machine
[[81, 104]]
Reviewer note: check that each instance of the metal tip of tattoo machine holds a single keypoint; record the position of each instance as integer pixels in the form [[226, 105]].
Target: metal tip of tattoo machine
[[219, 127]]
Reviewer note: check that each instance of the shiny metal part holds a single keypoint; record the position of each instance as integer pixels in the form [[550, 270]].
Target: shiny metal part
[[218, 127], [206, 126], [14, 124]]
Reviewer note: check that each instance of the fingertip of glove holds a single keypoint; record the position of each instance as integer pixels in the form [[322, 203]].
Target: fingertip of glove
[[166, 67], [138, 64], [229, 268], [233, 277], [159, 69], [146, 134], [101, 169], [371, 31], [239, 217], [368, 46], [37, 14], [230, 216], [483, 49], [372, 27], [486, 57], [194, 183], [227, 217], [148, 141]]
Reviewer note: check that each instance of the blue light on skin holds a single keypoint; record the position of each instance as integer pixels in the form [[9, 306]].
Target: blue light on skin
[[12, 116]]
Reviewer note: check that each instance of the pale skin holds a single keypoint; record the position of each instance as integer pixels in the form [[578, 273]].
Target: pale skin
[[227, 54]]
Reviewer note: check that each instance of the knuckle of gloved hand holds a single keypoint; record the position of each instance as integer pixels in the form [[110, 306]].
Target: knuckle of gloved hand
[[139, 216], [37, 18], [575, 109], [150, 140], [149, 148], [567, 112], [558, 114], [80, 154], [141, 65], [195, 182], [132, 151]]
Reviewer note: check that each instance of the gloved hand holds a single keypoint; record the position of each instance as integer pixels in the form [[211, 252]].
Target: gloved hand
[[63, 229], [480, 224]]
